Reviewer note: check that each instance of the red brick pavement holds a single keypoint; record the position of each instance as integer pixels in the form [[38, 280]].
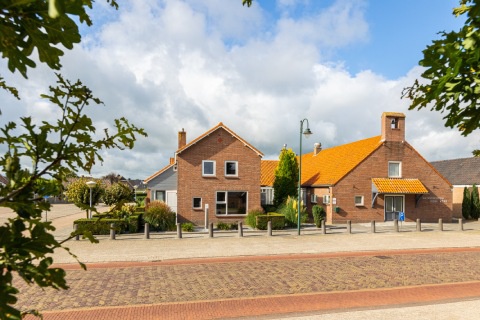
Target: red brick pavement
[[279, 304]]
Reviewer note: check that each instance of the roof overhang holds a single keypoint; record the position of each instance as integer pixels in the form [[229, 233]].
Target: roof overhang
[[398, 186]]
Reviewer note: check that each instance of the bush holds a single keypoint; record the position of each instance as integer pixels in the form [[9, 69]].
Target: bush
[[290, 210], [188, 227], [318, 215], [100, 225], [278, 221], [227, 226], [160, 217], [79, 193], [251, 218], [134, 222], [116, 193]]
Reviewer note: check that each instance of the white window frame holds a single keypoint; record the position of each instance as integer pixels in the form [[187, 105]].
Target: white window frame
[[361, 202], [326, 199], [225, 202], [214, 168], [236, 169], [193, 203], [268, 194], [399, 169], [314, 198]]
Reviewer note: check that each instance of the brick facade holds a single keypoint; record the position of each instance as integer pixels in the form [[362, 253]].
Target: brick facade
[[220, 146]]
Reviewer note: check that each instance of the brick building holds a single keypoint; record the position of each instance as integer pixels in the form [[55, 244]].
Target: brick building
[[374, 179], [218, 170]]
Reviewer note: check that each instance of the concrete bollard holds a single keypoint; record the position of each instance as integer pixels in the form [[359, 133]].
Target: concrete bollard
[[112, 231], [210, 230], [440, 224], [240, 229], [179, 231], [460, 224], [372, 226], [349, 226], [322, 225], [269, 228], [395, 225], [75, 228], [419, 225], [147, 230]]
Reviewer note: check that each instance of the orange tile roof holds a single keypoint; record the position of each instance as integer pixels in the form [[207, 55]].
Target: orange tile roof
[[330, 165], [268, 168], [403, 186], [218, 126]]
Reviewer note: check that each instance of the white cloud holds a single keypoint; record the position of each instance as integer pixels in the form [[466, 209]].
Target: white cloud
[[168, 65]]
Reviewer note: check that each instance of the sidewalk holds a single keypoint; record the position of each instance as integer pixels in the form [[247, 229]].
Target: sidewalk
[[132, 251]]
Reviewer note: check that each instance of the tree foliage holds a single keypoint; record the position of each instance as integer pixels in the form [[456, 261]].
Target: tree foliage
[[466, 204], [286, 177], [451, 81], [117, 193], [160, 216], [55, 151], [475, 201], [78, 193]]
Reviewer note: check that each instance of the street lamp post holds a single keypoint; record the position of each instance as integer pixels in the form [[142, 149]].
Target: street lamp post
[[135, 192], [90, 185], [306, 133]]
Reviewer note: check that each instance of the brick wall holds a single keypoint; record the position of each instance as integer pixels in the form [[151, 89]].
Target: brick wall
[[437, 204], [219, 146]]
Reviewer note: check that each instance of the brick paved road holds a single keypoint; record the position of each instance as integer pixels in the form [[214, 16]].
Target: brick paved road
[[247, 285]]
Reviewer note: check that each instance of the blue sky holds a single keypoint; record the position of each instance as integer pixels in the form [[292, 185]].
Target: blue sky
[[172, 64]]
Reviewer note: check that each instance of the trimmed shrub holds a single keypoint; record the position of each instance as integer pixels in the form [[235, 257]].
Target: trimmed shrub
[[188, 227], [466, 204], [116, 193], [251, 218], [475, 201], [134, 222], [101, 225], [140, 209], [278, 221], [227, 226], [318, 215], [160, 217]]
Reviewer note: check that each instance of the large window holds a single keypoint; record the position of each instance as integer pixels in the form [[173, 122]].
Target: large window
[[160, 195], [208, 168], [231, 168], [394, 169], [231, 202]]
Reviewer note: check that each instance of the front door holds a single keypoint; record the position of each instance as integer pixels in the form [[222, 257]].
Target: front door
[[393, 205], [172, 200]]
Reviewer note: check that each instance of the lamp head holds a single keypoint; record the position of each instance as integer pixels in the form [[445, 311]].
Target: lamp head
[[91, 184], [307, 133]]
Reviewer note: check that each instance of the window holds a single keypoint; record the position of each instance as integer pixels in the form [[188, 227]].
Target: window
[[359, 200], [326, 199], [231, 203], [267, 194], [394, 169], [314, 198], [160, 195], [208, 168], [197, 203], [231, 168]]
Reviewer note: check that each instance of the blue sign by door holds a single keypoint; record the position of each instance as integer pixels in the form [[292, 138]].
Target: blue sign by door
[[401, 216]]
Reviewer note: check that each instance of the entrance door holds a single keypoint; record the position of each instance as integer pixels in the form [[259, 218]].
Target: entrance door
[[172, 200], [393, 205]]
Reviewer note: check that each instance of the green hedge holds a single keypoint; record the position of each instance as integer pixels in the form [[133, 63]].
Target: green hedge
[[101, 226], [139, 209], [134, 223], [278, 221]]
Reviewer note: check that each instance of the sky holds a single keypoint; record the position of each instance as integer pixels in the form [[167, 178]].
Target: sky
[[172, 64]]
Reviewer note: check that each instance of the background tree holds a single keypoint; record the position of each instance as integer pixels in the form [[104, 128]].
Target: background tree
[[286, 177], [466, 204], [112, 177], [79, 193], [451, 80], [116, 193], [475, 211]]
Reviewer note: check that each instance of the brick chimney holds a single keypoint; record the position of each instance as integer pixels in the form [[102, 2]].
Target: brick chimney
[[317, 147], [393, 126], [182, 139]]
